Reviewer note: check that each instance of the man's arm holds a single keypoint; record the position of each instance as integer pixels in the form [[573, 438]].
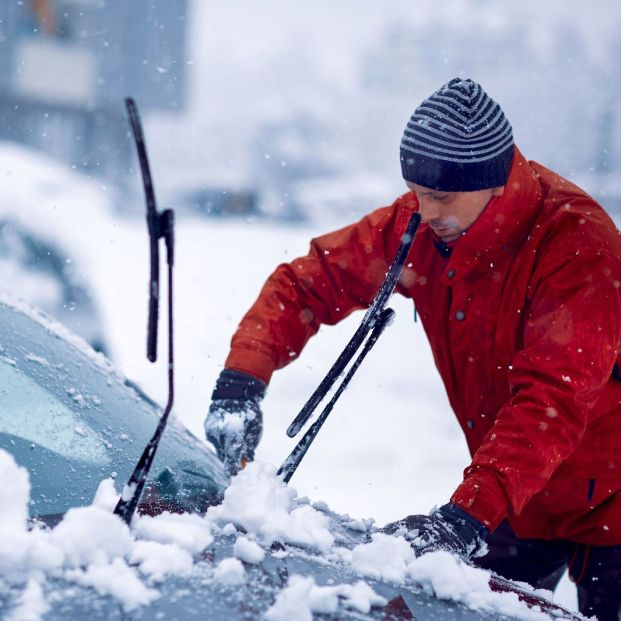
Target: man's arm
[[341, 273], [571, 338]]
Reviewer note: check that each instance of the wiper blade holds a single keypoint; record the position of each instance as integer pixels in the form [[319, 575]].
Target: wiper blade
[[375, 320]]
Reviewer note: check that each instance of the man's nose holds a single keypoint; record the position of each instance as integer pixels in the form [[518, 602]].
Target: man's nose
[[428, 210]]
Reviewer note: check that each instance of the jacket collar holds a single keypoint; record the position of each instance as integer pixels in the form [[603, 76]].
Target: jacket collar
[[504, 224]]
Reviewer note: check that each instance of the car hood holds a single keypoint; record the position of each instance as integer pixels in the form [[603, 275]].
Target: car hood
[[274, 556]]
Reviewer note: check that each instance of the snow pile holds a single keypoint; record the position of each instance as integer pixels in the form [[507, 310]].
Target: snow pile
[[260, 503], [385, 558], [187, 531], [117, 579], [440, 574], [91, 546], [230, 571], [446, 577], [158, 560], [248, 551], [302, 597], [31, 604]]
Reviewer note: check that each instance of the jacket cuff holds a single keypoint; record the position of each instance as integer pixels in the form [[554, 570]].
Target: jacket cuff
[[481, 497], [241, 386], [466, 525], [251, 362]]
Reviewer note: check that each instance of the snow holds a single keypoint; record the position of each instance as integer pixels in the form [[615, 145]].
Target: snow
[[370, 458], [91, 536], [229, 529], [447, 577], [55, 198], [360, 596], [386, 558], [439, 573], [38, 359], [31, 605], [116, 579], [93, 547], [261, 503], [160, 559], [188, 532], [229, 571], [248, 551], [302, 597], [13, 498], [391, 447], [128, 492], [90, 546]]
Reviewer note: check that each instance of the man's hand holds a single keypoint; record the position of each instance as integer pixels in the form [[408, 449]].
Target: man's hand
[[234, 423], [448, 528]]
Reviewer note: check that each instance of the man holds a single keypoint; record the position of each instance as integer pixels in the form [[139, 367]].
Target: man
[[516, 275]]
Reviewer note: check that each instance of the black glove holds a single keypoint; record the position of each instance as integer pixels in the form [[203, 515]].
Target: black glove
[[448, 528], [234, 423]]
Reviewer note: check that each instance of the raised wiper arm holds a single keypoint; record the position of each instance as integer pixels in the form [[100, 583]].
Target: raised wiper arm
[[160, 225], [375, 320]]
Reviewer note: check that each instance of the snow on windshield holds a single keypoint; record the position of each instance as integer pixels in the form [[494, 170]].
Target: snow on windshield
[[94, 548]]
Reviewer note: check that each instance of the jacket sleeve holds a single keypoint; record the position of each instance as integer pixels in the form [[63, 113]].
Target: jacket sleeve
[[341, 273], [570, 343]]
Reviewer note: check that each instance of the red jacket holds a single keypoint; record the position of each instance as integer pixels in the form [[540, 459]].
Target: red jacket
[[524, 321]]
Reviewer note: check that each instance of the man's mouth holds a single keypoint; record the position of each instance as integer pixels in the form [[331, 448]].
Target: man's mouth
[[447, 234]]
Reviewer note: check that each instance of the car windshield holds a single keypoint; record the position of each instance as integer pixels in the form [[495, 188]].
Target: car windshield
[[34, 417], [72, 421]]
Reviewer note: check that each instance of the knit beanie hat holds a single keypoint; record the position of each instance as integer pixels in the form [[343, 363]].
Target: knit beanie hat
[[457, 140]]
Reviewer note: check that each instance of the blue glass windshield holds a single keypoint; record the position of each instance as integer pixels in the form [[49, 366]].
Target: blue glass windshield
[[72, 421]]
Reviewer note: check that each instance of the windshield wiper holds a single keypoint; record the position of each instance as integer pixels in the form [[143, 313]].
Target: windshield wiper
[[161, 225], [373, 324]]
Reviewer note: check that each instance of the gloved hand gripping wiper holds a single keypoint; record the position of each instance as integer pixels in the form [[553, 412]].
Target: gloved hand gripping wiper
[[374, 322], [161, 225]]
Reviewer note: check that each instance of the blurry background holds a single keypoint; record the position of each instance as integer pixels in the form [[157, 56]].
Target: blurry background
[[296, 109], [268, 123]]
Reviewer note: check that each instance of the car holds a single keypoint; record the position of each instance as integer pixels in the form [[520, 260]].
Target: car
[[43, 272], [203, 547], [43, 206]]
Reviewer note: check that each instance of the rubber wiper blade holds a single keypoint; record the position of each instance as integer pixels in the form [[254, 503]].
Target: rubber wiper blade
[[153, 224], [376, 319], [372, 315]]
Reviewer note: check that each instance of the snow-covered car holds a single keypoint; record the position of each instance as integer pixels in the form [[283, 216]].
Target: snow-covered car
[[71, 430], [44, 274], [53, 221]]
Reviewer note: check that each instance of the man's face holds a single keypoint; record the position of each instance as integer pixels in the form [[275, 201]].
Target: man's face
[[450, 214]]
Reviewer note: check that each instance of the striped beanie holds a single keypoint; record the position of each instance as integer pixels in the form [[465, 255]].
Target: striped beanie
[[457, 140]]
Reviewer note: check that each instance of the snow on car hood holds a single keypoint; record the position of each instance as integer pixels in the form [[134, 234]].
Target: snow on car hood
[[92, 547]]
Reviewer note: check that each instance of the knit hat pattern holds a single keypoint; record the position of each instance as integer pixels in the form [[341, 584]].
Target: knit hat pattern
[[457, 140]]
